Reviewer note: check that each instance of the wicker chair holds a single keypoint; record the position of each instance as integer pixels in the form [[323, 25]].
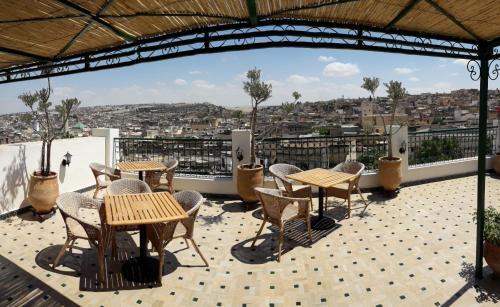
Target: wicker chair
[[160, 234], [126, 186], [103, 176], [278, 210], [98, 233], [155, 180], [344, 190], [289, 187]]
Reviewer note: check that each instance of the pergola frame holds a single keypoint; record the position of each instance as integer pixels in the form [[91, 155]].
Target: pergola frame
[[261, 31]]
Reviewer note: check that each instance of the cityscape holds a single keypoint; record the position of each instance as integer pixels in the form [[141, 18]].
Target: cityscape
[[337, 117]]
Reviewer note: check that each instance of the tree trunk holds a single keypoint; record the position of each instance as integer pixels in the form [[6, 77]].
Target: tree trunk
[[47, 170], [42, 161], [252, 139]]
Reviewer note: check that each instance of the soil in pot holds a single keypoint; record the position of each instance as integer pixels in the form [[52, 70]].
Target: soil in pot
[[248, 179], [43, 192], [389, 174]]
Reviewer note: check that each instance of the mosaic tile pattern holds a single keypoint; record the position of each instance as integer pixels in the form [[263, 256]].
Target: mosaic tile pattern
[[415, 249]]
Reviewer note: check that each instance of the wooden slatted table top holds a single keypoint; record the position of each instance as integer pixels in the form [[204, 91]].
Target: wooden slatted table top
[[144, 208], [320, 177], [139, 166]]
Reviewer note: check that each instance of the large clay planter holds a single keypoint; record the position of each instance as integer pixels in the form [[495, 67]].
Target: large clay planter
[[496, 163], [248, 179], [43, 191], [492, 256], [389, 173]]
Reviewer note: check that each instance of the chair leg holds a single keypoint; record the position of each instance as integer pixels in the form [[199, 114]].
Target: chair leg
[[258, 233], [61, 253], [114, 248], [101, 264], [71, 245], [308, 224], [96, 191], [349, 206], [198, 251], [280, 242], [161, 257]]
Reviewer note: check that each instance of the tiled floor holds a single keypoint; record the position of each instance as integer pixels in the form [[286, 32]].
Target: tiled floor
[[415, 249]]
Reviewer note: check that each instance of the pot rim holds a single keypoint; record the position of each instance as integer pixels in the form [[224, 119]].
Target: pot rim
[[392, 160], [37, 175], [244, 167]]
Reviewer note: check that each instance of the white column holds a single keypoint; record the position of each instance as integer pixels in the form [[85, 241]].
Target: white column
[[400, 139], [109, 134], [240, 143]]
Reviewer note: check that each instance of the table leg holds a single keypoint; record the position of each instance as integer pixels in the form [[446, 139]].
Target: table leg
[[141, 178], [142, 269], [322, 222]]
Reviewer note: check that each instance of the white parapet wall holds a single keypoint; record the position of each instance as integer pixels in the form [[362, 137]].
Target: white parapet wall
[[19, 160]]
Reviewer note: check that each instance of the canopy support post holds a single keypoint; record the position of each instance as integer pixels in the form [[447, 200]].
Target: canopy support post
[[485, 52]]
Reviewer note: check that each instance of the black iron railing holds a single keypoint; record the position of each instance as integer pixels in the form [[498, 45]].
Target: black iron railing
[[432, 147], [324, 152], [211, 157]]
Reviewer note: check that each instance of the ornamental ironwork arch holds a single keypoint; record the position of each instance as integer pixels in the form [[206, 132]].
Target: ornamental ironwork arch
[[233, 37]]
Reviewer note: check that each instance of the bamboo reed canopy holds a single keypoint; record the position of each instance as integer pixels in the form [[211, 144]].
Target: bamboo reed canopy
[[48, 31]]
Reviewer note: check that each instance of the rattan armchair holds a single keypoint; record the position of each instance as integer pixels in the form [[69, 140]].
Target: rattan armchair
[[103, 176], [126, 186], [155, 179], [344, 190], [161, 234], [289, 187], [79, 226], [278, 210]]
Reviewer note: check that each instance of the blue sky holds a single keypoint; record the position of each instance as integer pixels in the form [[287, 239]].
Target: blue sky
[[319, 74]]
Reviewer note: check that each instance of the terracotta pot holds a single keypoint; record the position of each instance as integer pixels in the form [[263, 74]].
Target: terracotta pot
[[43, 191], [492, 256], [248, 179], [389, 173], [496, 163]]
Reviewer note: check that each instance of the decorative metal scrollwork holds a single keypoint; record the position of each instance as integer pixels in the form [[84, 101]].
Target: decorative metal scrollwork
[[494, 69], [474, 69]]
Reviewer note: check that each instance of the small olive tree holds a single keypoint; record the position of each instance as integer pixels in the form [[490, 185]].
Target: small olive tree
[[371, 85], [289, 107], [395, 92], [50, 126], [259, 91]]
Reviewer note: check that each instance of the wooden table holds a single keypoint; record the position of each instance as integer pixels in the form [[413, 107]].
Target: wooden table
[[322, 178], [141, 166], [142, 209]]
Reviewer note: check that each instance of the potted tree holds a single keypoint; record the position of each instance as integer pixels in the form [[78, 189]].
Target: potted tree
[[389, 166], [492, 238], [43, 185], [252, 175]]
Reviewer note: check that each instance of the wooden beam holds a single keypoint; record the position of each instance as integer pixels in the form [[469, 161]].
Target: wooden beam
[[252, 11], [23, 54], [175, 14], [453, 19], [402, 13], [95, 18], [41, 19], [309, 6]]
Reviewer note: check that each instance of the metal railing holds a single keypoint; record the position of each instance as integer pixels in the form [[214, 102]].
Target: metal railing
[[431, 147], [324, 151], [209, 157]]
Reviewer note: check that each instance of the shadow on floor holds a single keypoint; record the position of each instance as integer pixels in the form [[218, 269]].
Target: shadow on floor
[[82, 263], [20, 288], [266, 247]]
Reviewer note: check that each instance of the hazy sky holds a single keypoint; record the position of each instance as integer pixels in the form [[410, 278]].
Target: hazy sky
[[318, 74]]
